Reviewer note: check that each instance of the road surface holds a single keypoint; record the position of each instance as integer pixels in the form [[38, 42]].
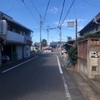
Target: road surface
[[38, 78]]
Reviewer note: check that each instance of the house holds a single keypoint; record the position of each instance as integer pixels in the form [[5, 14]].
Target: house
[[15, 39], [92, 27], [37, 45], [89, 50]]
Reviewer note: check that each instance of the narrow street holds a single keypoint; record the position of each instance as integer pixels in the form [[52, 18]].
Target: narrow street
[[40, 78]]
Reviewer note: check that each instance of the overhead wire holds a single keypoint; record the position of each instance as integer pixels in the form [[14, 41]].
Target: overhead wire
[[30, 11], [12, 7], [42, 20], [67, 12], [60, 16], [61, 13], [46, 11], [54, 35], [35, 8], [91, 3]]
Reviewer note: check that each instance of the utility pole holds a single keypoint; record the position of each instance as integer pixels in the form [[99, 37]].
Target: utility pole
[[48, 34], [76, 29], [40, 31], [60, 34]]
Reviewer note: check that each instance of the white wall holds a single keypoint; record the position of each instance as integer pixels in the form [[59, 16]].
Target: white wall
[[15, 37], [27, 50], [19, 51]]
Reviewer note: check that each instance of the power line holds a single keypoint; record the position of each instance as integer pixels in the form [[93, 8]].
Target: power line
[[68, 11], [30, 11], [12, 7], [90, 3], [35, 8], [46, 11], [61, 13], [54, 35]]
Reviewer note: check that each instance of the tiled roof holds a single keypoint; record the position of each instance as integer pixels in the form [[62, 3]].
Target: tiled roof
[[92, 22], [10, 19]]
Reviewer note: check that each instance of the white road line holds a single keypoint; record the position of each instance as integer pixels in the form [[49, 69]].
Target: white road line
[[61, 72], [18, 65], [68, 96]]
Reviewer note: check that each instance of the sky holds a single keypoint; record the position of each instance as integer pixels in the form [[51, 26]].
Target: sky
[[28, 12]]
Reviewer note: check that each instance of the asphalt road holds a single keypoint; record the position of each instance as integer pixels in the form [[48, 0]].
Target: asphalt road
[[38, 78]]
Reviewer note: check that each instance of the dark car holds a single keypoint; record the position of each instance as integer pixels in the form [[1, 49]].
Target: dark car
[[5, 58]]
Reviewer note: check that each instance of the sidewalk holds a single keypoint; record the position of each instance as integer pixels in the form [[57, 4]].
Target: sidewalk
[[83, 83]]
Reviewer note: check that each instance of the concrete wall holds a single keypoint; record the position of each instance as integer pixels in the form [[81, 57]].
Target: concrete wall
[[93, 61], [82, 68], [89, 57]]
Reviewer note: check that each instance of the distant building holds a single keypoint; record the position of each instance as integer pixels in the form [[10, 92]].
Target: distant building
[[57, 45], [54, 44], [37, 45], [15, 39]]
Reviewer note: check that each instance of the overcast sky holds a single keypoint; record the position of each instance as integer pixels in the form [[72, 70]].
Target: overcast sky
[[27, 12]]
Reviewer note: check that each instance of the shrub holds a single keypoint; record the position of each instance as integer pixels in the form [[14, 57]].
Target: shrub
[[72, 52], [89, 35]]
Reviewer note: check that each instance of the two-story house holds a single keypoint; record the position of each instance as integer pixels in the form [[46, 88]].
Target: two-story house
[[15, 39]]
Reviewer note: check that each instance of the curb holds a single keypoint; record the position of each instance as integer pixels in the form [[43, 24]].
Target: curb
[[75, 80], [83, 92], [95, 85]]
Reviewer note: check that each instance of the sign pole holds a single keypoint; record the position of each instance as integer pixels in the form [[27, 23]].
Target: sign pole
[[76, 29]]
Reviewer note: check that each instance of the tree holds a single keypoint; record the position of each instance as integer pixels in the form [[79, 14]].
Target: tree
[[69, 38], [44, 42]]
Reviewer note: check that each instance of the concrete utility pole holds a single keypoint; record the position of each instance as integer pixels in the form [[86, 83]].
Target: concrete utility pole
[[40, 31], [48, 28], [60, 34]]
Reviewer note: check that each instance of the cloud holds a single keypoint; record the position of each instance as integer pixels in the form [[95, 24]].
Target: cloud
[[54, 10], [81, 20], [69, 20]]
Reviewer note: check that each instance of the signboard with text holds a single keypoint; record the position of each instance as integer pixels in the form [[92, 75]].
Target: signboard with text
[[71, 24]]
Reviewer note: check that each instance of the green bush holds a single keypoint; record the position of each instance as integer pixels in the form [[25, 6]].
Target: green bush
[[88, 35], [72, 52]]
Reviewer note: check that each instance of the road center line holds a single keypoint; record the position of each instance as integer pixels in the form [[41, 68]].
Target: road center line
[[18, 65], [68, 96]]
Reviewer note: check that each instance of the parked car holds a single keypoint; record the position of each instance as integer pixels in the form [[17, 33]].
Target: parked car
[[5, 58]]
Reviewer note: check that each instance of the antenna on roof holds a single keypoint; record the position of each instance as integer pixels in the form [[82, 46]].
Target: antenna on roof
[[95, 20]]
